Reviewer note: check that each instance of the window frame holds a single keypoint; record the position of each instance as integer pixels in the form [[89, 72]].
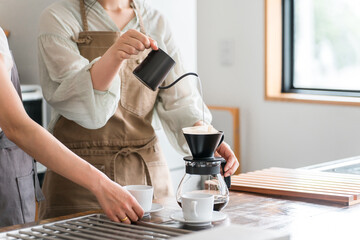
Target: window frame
[[279, 73]]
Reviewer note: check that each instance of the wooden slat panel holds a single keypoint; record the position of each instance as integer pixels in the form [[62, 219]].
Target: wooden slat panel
[[298, 187], [303, 182], [332, 187]]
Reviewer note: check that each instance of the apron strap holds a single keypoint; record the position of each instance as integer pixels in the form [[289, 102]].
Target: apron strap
[[38, 193], [83, 15], [135, 150], [5, 142], [141, 22]]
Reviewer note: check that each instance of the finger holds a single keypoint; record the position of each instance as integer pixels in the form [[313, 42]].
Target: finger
[[124, 219], [139, 211], [128, 49], [112, 217], [232, 169], [132, 215], [135, 43], [145, 40], [229, 163], [153, 44]]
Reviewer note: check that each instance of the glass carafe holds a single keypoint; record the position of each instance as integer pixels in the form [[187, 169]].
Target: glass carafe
[[204, 177]]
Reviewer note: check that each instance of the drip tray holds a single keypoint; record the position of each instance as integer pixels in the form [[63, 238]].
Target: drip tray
[[350, 169], [345, 166], [95, 226]]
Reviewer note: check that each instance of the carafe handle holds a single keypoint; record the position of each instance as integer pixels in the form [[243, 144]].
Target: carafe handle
[[223, 163], [226, 179]]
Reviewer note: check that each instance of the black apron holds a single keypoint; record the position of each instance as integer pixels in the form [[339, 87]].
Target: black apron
[[19, 185]]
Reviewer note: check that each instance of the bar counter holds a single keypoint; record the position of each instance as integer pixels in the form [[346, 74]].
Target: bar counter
[[301, 218]]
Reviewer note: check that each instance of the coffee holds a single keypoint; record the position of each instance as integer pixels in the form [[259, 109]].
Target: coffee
[[205, 129], [219, 203]]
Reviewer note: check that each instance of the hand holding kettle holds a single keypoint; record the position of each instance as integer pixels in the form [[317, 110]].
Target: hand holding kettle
[[128, 44]]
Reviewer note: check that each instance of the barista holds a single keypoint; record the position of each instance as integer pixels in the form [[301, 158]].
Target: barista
[[18, 180], [88, 50]]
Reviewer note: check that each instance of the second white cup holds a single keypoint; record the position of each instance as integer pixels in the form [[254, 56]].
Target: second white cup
[[197, 206], [143, 194]]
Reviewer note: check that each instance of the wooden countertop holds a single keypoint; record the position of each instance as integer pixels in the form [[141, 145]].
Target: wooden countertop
[[303, 220]]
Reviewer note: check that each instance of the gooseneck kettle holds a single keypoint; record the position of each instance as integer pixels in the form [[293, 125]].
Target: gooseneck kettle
[[153, 70]]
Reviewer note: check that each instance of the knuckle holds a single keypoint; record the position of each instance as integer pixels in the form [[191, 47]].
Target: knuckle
[[132, 50], [134, 218], [138, 45], [122, 206], [127, 208], [124, 55], [130, 31]]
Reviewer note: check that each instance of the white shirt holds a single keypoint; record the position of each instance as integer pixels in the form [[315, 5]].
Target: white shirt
[[5, 53], [66, 80]]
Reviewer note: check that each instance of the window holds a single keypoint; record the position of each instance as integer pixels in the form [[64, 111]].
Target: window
[[313, 50], [321, 46]]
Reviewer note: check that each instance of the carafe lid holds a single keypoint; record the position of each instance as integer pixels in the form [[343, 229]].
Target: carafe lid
[[203, 166]]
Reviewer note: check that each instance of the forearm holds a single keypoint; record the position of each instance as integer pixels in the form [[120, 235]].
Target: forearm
[[104, 71], [55, 155]]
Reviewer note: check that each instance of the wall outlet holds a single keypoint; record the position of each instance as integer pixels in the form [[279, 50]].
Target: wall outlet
[[227, 52]]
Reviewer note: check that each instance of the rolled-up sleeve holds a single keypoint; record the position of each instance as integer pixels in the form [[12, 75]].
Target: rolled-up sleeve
[[67, 86], [4, 51]]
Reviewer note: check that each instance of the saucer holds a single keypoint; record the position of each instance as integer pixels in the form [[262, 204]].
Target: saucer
[[155, 207], [216, 216]]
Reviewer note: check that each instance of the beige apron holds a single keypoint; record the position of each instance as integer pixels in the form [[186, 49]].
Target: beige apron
[[126, 149]]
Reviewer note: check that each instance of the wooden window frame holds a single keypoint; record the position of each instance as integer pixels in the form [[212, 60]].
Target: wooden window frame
[[273, 64], [235, 115]]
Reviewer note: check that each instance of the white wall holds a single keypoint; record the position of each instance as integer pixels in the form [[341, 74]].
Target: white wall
[[21, 18], [182, 19], [279, 134]]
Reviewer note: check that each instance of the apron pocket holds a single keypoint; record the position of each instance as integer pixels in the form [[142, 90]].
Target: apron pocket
[[135, 97], [27, 196]]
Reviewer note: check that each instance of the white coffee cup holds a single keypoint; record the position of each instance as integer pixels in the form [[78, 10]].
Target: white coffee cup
[[197, 206], [143, 194]]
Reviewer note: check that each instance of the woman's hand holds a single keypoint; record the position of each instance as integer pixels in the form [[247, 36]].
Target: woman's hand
[[232, 163], [118, 204], [131, 43], [225, 151]]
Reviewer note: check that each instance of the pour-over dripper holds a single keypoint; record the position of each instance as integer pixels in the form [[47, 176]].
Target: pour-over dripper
[[203, 169], [204, 145]]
